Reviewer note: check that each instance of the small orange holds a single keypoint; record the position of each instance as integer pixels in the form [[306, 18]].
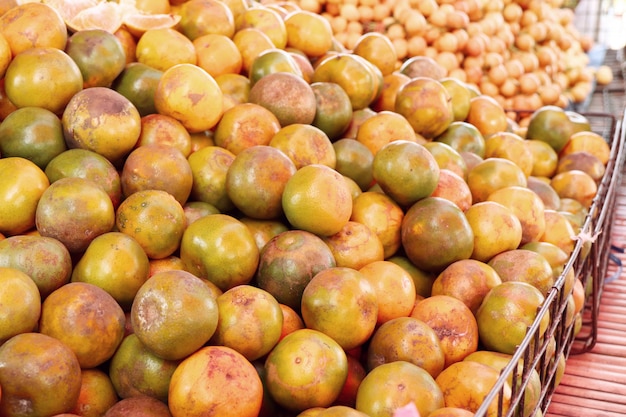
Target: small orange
[[545, 158], [317, 199], [97, 394], [189, 94], [510, 146], [590, 142], [200, 17], [235, 89], [163, 48], [559, 231], [496, 229], [263, 230], [333, 113], [354, 160], [394, 287], [492, 174], [378, 49], [308, 32], [423, 280], [305, 144], [23, 316], [582, 161], [245, 125], [209, 167], [487, 115], [386, 100], [383, 128], [178, 332], [526, 266], [355, 245], [463, 137], [527, 207], [251, 43], [454, 188], [164, 130], [577, 185], [267, 21], [358, 117], [209, 376], [137, 217], [165, 264], [129, 43], [447, 158], [85, 318], [138, 23], [217, 54], [138, 83], [291, 321]]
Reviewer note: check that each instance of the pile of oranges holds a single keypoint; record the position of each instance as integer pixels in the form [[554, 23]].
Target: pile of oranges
[[213, 207]]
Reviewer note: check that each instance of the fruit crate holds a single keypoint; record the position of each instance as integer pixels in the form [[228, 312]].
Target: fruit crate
[[589, 261]]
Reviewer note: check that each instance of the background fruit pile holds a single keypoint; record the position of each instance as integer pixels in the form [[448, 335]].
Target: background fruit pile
[[242, 209]]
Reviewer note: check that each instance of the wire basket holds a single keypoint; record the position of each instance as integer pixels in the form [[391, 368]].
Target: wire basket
[[589, 261]]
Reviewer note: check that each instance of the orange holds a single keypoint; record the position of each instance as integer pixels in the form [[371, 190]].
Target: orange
[[356, 373], [383, 216], [235, 89], [465, 384], [263, 230], [164, 130], [492, 174], [129, 44], [460, 95], [545, 159], [406, 339], [51, 381], [510, 146], [577, 185], [291, 321], [267, 21], [317, 199], [393, 385], [155, 219], [134, 370], [209, 376], [245, 125], [451, 412], [422, 280], [162, 49], [138, 23], [392, 82], [355, 245], [358, 117], [234, 253], [165, 264], [118, 123], [209, 166], [97, 394], [250, 321], [217, 54], [197, 209], [505, 314], [549, 196], [200, 17], [552, 125], [33, 25], [526, 266], [406, 171], [333, 112], [85, 318], [306, 369], [447, 158], [559, 231], [27, 252], [21, 303], [42, 77], [354, 160], [463, 137], [468, 280], [116, 263], [289, 261], [436, 233], [251, 43], [88, 165], [383, 128], [6, 107], [454, 324], [23, 185], [590, 142], [33, 133], [487, 115], [308, 32], [178, 85], [74, 211], [177, 333], [555, 256], [99, 55], [137, 83], [341, 410], [340, 303], [105, 15], [582, 161], [139, 404], [426, 104], [453, 187], [394, 287], [527, 207], [496, 229], [378, 49], [305, 144]]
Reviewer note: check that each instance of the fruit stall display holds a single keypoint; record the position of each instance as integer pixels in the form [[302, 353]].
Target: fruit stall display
[[230, 208]]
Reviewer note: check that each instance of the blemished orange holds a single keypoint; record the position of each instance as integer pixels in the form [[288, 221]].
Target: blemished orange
[[264, 230], [267, 21], [354, 160], [590, 142], [305, 144], [155, 219], [173, 92], [525, 266], [178, 333], [487, 115], [210, 375], [97, 394], [382, 128], [140, 22], [577, 185], [394, 287], [510, 146], [454, 188], [378, 49], [291, 321], [217, 54], [251, 43], [163, 48], [492, 174], [317, 199], [21, 301], [545, 158], [200, 17], [340, 303], [308, 32], [235, 89], [386, 100], [209, 166], [105, 16], [245, 125], [559, 231], [164, 130], [85, 318], [447, 158], [355, 245], [527, 206]]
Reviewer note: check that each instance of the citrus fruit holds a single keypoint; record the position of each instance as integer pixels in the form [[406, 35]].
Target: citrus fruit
[[545, 158], [245, 125], [451, 412], [158, 129], [354, 160], [138, 23], [453, 187], [505, 314], [189, 94], [85, 318], [235, 89], [340, 303], [526, 266], [104, 15], [157, 167], [436, 233], [199, 17], [587, 141], [510, 146], [460, 95], [18, 317], [355, 245], [139, 405], [463, 137], [317, 199], [155, 219], [221, 249], [422, 66], [266, 20], [116, 263], [250, 321], [209, 167], [383, 128], [582, 161], [27, 254], [291, 321], [487, 115], [393, 385], [134, 370], [263, 230], [492, 174], [217, 54], [378, 49], [547, 194], [50, 384], [308, 33], [333, 112], [43, 77], [422, 280], [386, 100], [406, 171], [577, 185], [117, 128], [210, 375], [99, 55], [552, 125], [289, 261], [168, 332], [74, 211], [97, 394], [306, 369], [447, 158], [305, 144], [270, 61], [162, 49], [137, 82], [251, 43], [526, 206]]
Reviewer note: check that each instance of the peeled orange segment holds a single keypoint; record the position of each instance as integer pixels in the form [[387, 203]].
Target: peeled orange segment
[[68, 9], [106, 16], [137, 23]]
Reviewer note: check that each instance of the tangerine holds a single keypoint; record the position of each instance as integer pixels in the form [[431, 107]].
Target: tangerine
[[333, 112], [496, 229], [355, 245], [99, 55], [33, 25], [245, 125], [209, 167], [18, 317], [137, 83]]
